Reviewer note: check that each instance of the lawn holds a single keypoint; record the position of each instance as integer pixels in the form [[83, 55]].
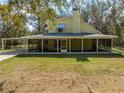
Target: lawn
[[82, 64], [8, 50], [119, 49], [55, 73]]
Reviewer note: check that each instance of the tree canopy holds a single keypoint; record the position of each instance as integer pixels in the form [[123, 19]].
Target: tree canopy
[[105, 15]]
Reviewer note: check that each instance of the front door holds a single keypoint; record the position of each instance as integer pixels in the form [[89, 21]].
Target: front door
[[63, 45]]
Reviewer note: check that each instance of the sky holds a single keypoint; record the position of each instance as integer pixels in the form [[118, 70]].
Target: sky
[[3, 1]]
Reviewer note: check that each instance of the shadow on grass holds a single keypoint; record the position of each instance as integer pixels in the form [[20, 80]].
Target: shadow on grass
[[78, 57]]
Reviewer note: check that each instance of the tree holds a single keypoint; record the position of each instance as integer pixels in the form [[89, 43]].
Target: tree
[[41, 12], [5, 18], [15, 16]]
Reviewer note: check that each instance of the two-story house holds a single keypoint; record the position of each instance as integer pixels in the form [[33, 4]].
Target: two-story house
[[68, 35]]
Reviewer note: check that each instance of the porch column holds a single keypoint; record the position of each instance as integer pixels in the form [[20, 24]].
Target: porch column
[[42, 45], [57, 45], [69, 45], [25, 44], [97, 45], [2, 45], [82, 45], [111, 44]]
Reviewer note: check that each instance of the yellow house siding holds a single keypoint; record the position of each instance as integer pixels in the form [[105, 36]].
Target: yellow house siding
[[73, 24], [76, 22], [67, 22], [70, 27]]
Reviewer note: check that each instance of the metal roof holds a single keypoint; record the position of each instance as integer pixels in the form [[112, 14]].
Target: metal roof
[[66, 35]]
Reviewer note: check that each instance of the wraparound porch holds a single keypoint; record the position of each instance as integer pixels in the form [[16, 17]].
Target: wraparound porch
[[62, 45]]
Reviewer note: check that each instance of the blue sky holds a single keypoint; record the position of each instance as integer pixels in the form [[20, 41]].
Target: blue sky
[[3, 1]]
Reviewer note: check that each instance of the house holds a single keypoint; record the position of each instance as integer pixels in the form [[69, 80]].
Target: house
[[68, 35]]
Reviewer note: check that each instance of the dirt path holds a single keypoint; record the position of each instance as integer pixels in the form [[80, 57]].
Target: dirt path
[[35, 82], [23, 80]]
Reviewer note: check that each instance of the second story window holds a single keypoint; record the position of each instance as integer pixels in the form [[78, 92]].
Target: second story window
[[60, 28]]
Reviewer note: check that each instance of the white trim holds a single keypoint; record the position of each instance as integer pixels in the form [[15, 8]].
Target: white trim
[[2, 44], [25, 44], [69, 37], [13, 38], [92, 36]]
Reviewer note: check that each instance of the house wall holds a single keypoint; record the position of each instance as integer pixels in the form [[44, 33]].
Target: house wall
[[71, 27], [73, 24], [76, 22], [67, 22]]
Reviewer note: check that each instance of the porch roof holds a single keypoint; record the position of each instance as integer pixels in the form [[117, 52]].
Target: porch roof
[[66, 35], [71, 35]]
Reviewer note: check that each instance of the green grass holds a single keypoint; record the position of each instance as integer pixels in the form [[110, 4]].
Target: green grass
[[120, 50], [81, 64], [8, 50]]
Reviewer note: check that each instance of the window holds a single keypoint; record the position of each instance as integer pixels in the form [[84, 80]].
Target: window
[[60, 28]]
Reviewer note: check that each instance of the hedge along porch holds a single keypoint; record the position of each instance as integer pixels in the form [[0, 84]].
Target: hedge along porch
[[71, 43]]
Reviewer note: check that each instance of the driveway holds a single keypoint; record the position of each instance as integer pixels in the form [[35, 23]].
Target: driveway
[[7, 55]]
